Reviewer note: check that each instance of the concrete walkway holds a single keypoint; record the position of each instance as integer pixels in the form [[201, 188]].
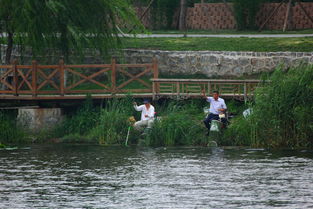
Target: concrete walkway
[[218, 35]]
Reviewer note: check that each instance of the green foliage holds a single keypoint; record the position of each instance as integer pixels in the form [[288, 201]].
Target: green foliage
[[2, 146], [241, 132], [84, 119], [180, 125], [89, 124], [245, 13], [163, 12], [65, 25], [113, 122], [282, 114], [236, 107], [10, 133]]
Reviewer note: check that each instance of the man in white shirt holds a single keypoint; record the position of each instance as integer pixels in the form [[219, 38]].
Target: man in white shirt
[[217, 107], [147, 115]]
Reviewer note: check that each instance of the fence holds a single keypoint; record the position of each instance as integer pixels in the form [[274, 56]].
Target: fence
[[67, 80], [38, 82], [189, 88]]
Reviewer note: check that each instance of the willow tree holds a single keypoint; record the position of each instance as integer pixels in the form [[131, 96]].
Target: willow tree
[[66, 26]]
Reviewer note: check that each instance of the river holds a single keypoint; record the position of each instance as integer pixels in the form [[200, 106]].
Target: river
[[85, 176]]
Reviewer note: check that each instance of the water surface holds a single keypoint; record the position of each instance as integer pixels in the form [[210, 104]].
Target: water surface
[[82, 176]]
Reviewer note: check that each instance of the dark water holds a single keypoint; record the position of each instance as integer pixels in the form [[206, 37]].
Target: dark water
[[77, 176]]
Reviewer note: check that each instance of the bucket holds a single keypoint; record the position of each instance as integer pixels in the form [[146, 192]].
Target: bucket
[[215, 125]]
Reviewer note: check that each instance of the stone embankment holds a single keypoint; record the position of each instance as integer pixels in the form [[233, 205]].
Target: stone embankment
[[218, 63]]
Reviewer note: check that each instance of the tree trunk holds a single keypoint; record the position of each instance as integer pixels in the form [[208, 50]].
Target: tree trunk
[[182, 15], [8, 53]]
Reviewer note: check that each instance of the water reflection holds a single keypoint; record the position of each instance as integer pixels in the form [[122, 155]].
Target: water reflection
[[80, 176]]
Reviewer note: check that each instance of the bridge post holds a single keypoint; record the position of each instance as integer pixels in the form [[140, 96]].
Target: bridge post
[[178, 90], [153, 91], [34, 78], [15, 77], [209, 88], [245, 91], [155, 73], [113, 76], [61, 69]]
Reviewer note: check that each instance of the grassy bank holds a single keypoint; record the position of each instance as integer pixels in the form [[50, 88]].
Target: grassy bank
[[221, 44], [282, 116], [109, 124], [181, 124]]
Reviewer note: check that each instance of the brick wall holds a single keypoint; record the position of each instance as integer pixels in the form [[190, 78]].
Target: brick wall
[[210, 16], [217, 16], [146, 21], [298, 20]]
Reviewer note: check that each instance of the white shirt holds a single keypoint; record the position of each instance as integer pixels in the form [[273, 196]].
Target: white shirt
[[144, 111], [216, 104]]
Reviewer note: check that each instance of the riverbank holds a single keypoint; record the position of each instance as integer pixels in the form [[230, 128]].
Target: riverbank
[[282, 117]]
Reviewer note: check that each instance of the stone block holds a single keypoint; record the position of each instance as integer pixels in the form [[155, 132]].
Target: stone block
[[37, 119]]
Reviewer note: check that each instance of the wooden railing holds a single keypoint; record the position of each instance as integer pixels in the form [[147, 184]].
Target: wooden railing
[[189, 88], [67, 80], [64, 81]]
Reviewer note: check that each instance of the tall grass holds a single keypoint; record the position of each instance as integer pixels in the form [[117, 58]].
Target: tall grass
[[113, 122], [282, 114], [103, 125], [81, 122], [10, 132], [181, 124]]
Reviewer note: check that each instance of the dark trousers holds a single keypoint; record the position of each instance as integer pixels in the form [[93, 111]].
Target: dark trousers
[[211, 116]]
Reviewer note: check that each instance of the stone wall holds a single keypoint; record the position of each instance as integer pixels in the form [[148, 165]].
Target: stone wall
[[218, 63], [209, 63], [39, 119]]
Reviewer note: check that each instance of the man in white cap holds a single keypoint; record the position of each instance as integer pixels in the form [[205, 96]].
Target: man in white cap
[[217, 108], [147, 115]]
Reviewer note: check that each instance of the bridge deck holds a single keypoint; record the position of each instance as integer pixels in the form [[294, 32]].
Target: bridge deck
[[107, 96]]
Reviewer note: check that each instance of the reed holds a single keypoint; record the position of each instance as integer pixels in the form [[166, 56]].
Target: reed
[[81, 122], [181, 124], [113, 123], [282, 113]]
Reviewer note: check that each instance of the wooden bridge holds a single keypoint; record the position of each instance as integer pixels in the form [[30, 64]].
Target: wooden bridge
[[62, 82]]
